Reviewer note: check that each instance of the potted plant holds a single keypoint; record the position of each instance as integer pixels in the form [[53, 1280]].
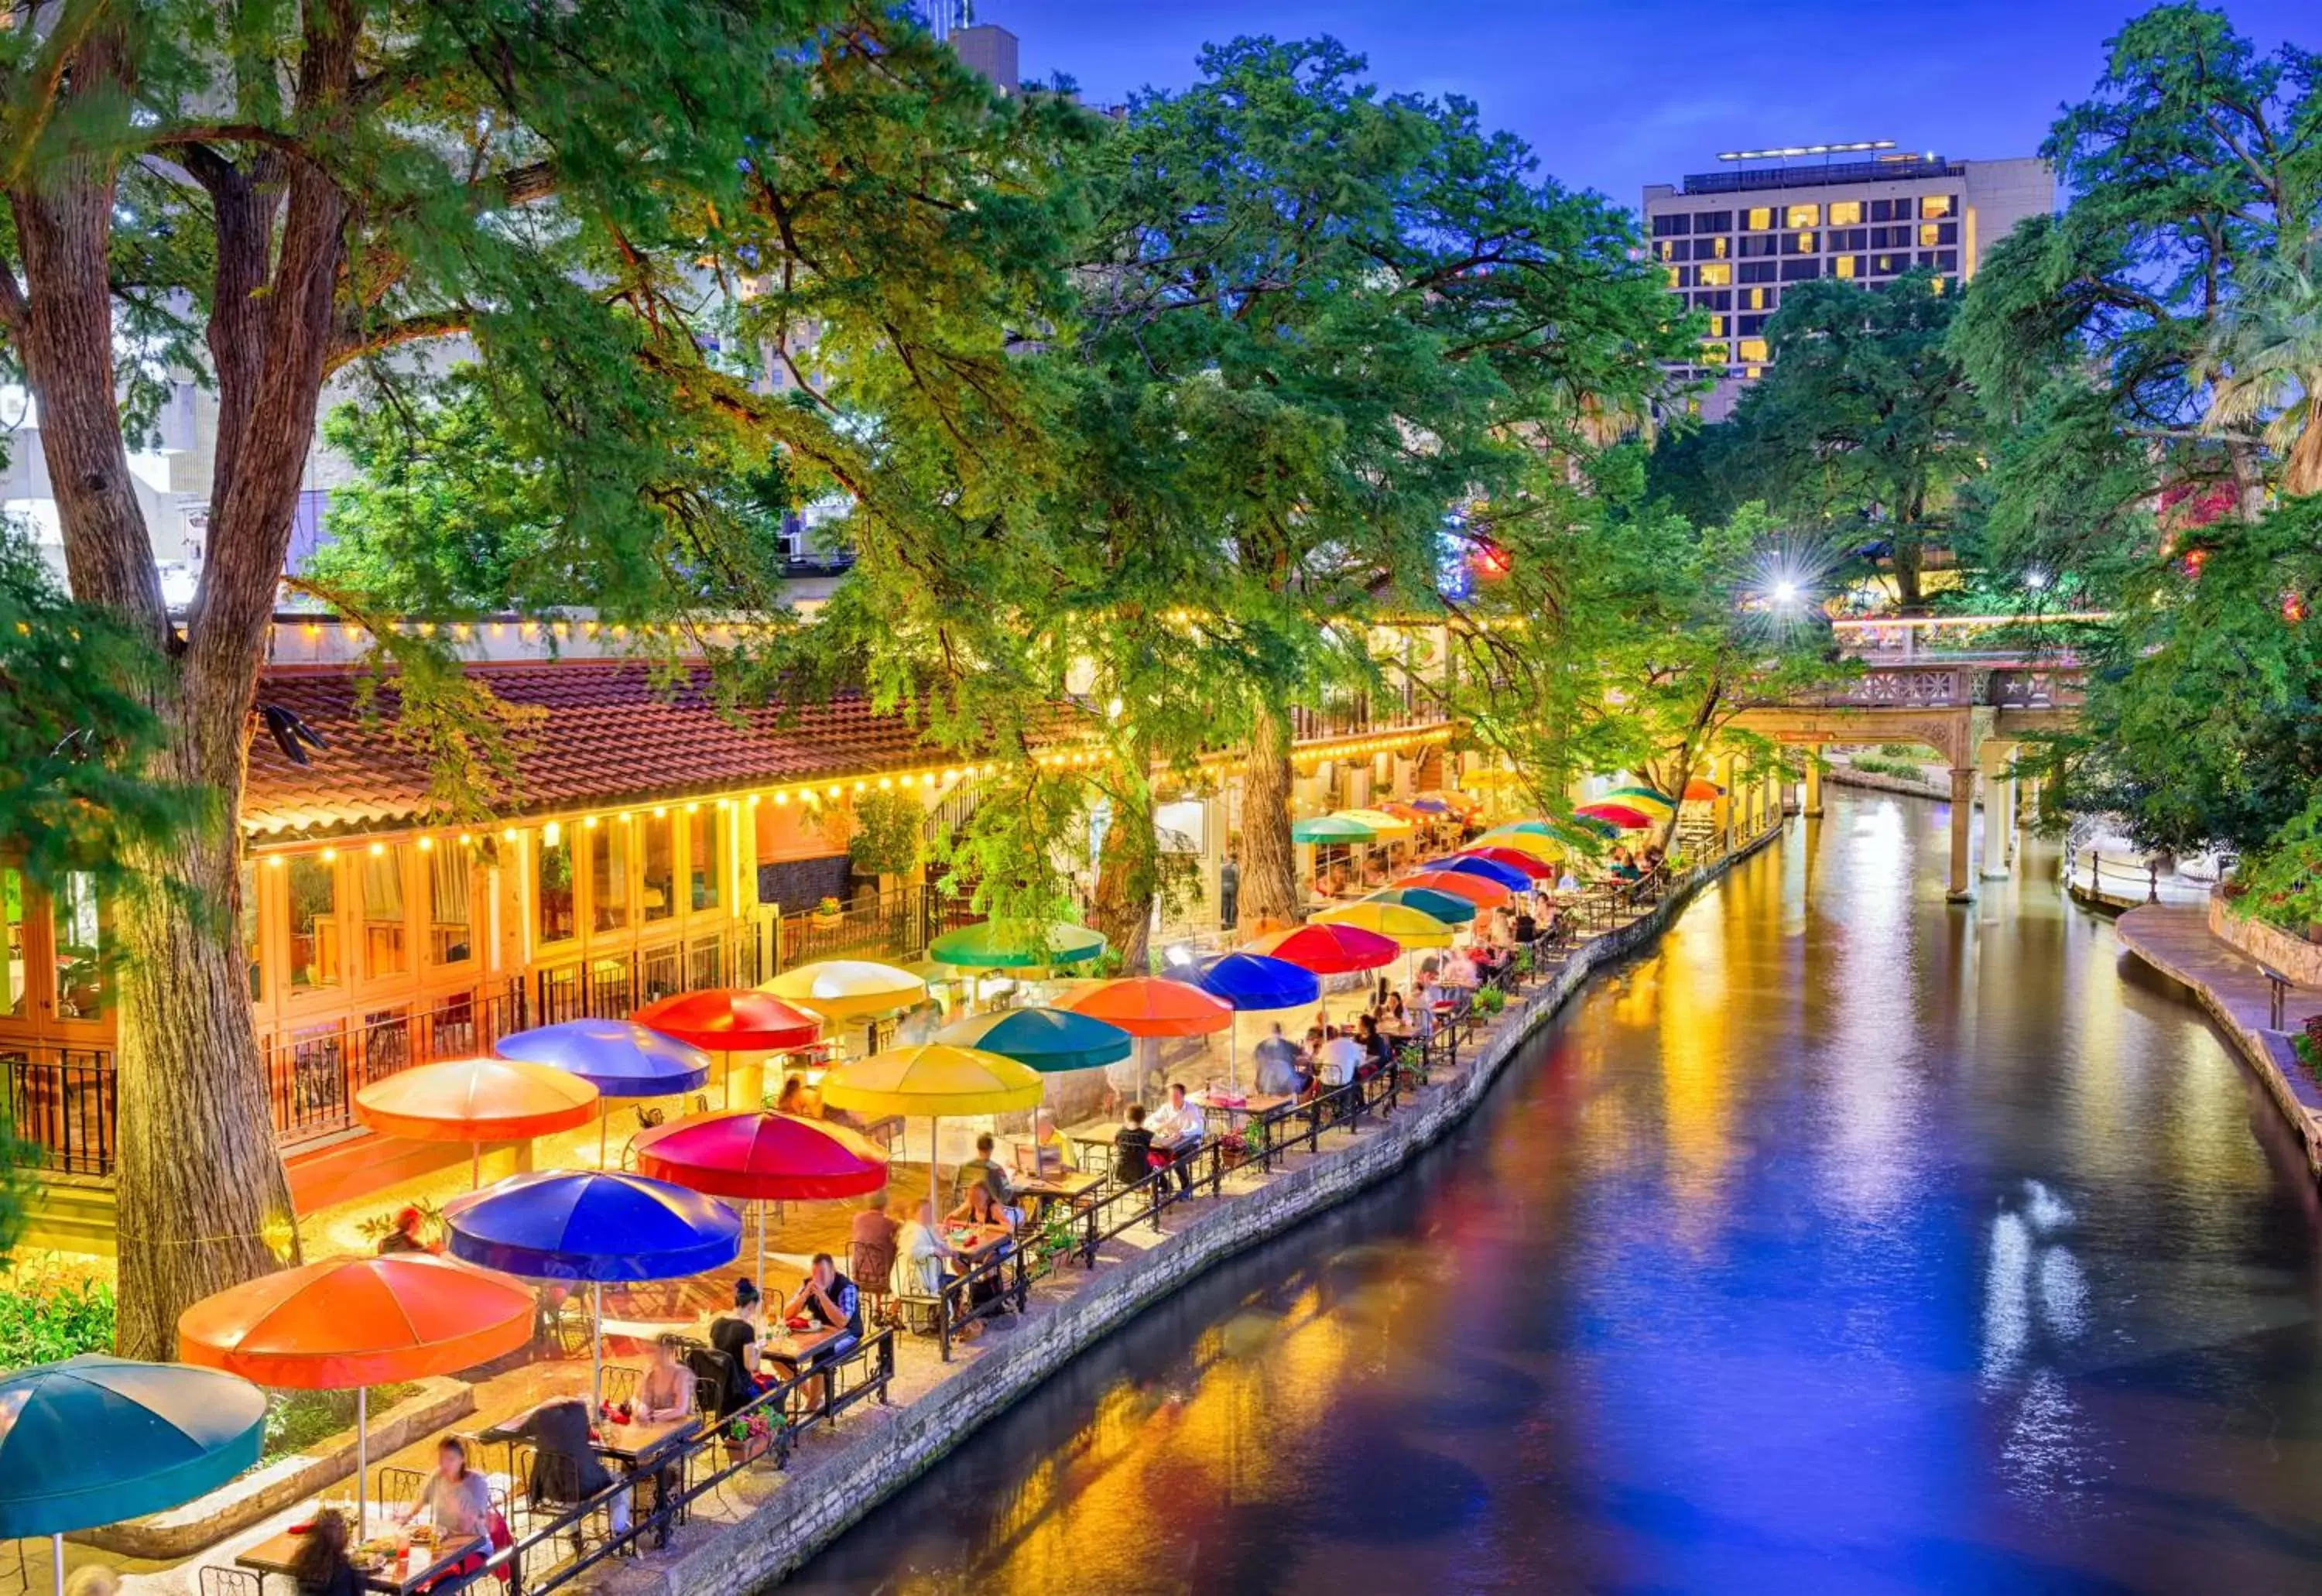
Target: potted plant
[[1490, 1001], [747, 1437], [826, 914]]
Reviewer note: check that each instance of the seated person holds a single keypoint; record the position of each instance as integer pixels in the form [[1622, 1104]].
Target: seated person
[[1393, 1019], [1378, 1053], [1132, 1148], [1340, 1058], [828, 1301], [980, 1169], [870, 1240], [980, 1207], [922, 1257], [409, 1235], [1178, 1130], [665, 1394], [798, 1099], [736, 1334], [1278, 1074], [565, 1470], [456, 1501]]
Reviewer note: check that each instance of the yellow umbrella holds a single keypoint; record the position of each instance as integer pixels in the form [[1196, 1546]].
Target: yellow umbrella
[[1536, 844], [1381, 822], [935, 1080], [1406, 924], [846, 991]]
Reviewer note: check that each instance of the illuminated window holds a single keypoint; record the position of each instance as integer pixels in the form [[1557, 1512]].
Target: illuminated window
[[1804, 243], [608, 877], [1939, 284], [1675, 274], [1843, 267], [1930, 235], [1714, 273], [1717, 248], [1845, 212], [559, 919], [705, 858], [660, 852], [1669, 249], [1717, 326], [1757, 299], [78, 926], [1761, 220], [1803, 216], [1753, 350], [1935, 205], [1713, 354], [450, 939], [1751, 372], [385, 949], [314, 922]]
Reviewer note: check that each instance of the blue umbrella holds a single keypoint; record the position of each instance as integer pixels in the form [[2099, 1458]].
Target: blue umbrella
[[594, 1225], [1049, 1040], [619, 1057], [1490, 869], [1439, 906], [96, 1439], [1253, 980]]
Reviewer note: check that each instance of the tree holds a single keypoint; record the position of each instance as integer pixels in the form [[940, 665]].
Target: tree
[[2265, 368], [271, 196]]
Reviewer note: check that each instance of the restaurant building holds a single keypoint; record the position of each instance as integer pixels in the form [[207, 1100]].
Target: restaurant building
[[653, 840]]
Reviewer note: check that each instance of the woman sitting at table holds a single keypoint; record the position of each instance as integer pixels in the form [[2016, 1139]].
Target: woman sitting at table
[[665, 1394], [320, 1566], [922, 1257], [565, 1468], [1393, 1019], [736, 1334], [457, 1503], [982, 1208], [1377, 1051]]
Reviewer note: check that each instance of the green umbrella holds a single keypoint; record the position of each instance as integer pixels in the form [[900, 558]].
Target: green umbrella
[[1330, 828], [1448, 908], [96, 1439], [1016, 944], [1049, 1040]]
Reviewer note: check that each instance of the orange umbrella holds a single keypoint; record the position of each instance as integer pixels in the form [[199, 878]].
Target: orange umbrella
[[477, 1100], [1699, 791], [1146, 1007], [358, 1322], [1480, 890]]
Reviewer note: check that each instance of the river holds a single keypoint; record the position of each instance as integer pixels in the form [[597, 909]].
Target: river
[[1848, 1241]]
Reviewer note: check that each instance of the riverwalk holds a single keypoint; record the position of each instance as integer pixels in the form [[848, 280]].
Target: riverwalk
[[2233, 987], [749, 1525]]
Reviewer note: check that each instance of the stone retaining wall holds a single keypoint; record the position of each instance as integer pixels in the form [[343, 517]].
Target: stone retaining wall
[[2293, 956], [1848, 776], [844, 1483]]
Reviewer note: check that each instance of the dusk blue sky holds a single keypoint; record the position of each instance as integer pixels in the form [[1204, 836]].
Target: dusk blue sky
[[1615, 94]]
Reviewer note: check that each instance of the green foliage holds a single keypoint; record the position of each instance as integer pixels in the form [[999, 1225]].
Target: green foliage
[[2281, 879], [297, 1420], [1872, 764], [46, 1317], [885, 840]]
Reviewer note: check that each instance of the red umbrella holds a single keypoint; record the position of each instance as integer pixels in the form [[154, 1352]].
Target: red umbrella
[[728, 1020], [1329, 950], [1479, 890], [731, 1019], [1619, 814], [1538, 869], [761, 1157]]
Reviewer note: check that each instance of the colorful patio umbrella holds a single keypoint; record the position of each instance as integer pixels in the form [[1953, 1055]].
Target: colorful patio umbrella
[[1402, 810], [1430, 806], [96, 1439], [1254, 980], [594, 1225], [755, 1156], [1539, 844], [848, 991], [1489, 870], [1145, 1006], [1529, 865], [1594, 824], [476, 1100], [728, 1020], [1627, 816], [1049, 1040], [1380, 822], [1411, 928], [1329, 950], [1640, 798], [936, 1079], [620, 1057], [1446, 907], [1016, 944], [355, 1323], [1699, 791], [1479, 890], [1329, 828]]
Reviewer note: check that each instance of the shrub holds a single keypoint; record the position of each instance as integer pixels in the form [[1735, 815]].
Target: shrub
[[1871, 765], [2281, 882], [298, 1419], [45, 1316]]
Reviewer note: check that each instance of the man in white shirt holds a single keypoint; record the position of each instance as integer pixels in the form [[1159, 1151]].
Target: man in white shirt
[[1340, 1057], [1177, 1129]]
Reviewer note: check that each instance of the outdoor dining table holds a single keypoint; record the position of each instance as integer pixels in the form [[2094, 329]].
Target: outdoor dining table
[[793, 1347], [1097, 1138], [277, 1554], [982, 1241], [1066, 1186], [1256, 1105], [637, 1444]]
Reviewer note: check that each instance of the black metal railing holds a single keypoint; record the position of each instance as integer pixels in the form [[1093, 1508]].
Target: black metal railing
[[60, 1106], [314, 1071]]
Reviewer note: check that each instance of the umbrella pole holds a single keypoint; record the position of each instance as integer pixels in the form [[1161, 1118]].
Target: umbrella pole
[[58, 1541], [931, 1171], [596, 1343], [761, 1245], [604, 1117], [475, 1167], [362, 1456]]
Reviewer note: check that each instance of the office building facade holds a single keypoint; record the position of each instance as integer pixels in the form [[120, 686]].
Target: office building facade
[[1733, 240]]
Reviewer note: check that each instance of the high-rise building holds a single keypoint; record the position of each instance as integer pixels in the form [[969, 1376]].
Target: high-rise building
[[991, 50], [1733, 240]]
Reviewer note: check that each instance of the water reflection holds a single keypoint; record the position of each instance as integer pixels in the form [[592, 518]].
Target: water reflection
[[1852, 1241]]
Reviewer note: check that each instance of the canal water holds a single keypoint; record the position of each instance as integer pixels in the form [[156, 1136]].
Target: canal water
[[1849, 1241]]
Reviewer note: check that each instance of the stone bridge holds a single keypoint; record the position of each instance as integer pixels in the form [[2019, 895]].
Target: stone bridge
[[1975, 712]]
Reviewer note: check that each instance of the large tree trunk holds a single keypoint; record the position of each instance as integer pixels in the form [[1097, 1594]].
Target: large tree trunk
[[1127, 887], [1269, 866], [204, 1201]]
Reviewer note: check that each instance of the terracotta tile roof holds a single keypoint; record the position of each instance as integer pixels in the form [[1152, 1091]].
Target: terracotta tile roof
[[611, 734]]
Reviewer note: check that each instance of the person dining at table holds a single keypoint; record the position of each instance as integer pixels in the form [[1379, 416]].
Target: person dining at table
[[736, 1334], [1393, 1019], [1340, 1057], [1377, 1051], [979, 1206], [1278, 1074], [1178, 1130], [458, 1504], [665, 1394], [870, 1239], [983, 1170], [798, 1098], [565, 1468], [923, 1255], [1132, 1148], [321, 1566], [826, 1300]]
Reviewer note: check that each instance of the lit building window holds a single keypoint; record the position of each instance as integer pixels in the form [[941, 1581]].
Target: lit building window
[[1714, 273], [1845, 212], [1761, 220], [1668, 251], [1757, 299], [1804, 217], [1804, 243], [1717, 326], [1935, 205], [1753, 350], [1939, 282], [1673, 275], [1751, 372], [1717, 248], [385, 949], [1843, 267], [1930, 235]]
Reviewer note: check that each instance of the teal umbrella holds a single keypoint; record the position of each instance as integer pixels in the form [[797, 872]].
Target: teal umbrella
[[1439, 906], [1049, 1040], [1330, 828], [1016, 944], [96, 1439]]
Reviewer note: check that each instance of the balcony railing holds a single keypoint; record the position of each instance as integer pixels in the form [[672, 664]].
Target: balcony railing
[[1744, 179], [60, 1106]]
